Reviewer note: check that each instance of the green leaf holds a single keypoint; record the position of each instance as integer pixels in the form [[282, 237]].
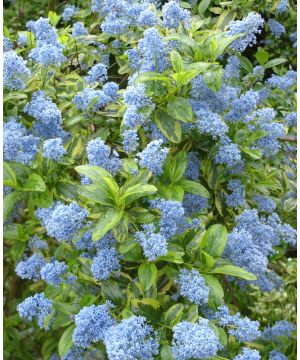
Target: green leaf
[[184, 77], [95, 173], [66, 341], [9, 176], [213, 79], [215, 239], [137, 191], [96, 194], [180, 109], [177, 166], [172, 192], [194, 188], [234, 271], [262, 56], [106, 222], [186, 40], [9, 203], [130, 250], [254, 154], [173, 257], [274, 62], [34, 183], [245, 64], [53, 18], [147, 275], [216, 292], [204, 4], [166, 353], [176, 61], [174, 314], [168, 126]]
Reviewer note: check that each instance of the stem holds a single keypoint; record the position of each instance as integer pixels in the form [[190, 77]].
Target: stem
[[51, 5], [45, 77], [290, 138]]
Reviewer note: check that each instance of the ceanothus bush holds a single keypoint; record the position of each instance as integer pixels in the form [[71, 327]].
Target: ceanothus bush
[[149, 180]]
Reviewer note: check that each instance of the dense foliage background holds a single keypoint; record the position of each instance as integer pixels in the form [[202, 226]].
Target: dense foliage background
[[149, 179]]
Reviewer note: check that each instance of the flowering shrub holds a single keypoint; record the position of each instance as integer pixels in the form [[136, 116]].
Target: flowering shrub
[[149, 180]]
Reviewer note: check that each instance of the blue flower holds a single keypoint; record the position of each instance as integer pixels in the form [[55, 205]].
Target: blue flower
[[31, 267], [276, 28], [92, 323], [242, 106], [104, 263], [194, 204], [22, 40], [15, 72], [75, 353], [228, 154], [147, 18], [192, 286], [291, 119], [52, 272], [282, 6], [48, 124], [283, 82], [172, 216], [7, 44], [133, 338], [17, 144], [154, 244], [248, 354], [37, 306], [48, 54], [277, 355], [97, 74], [130, 141], [174, 15], [237, 196], [69, 12], [281, 328], [114, 25], [79, 29], [269, 281], [265, 203], [247, 28], [210, 123], [35, 243], [100, 154], [153, 157], [232, 69], [89, 97], [62, 221], [192, 166], [53, 149], [110, 89], [194, 340]]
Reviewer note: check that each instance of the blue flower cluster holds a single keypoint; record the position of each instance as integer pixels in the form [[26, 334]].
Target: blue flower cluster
[[7, 44], [174, 15], [31, 267], [97, 74], [15, 72], [62, 221], [232, 68], [282, 6], [100, 154], [248, 354], [269, 281], [265, 203], [228, 154], [154, 244], [247, 28], [53, 149], [104, 263], [37, 306], [237, 196], [277, 355], [17, 144], [132, 338], [79, 30], [48, 50], [210, 123], [139, 106], [130, 141], [48, 118], [22, 40], [172, 216], [241, 327], [291, 119], [280, 328], [35, 243], [192, 286], [92, 324], [96, 99], [69, 12], [192, 166], [242, 106], [52, 272], [194, 204], [283, 82], [153, 157], [194, 340], [276, 28]]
